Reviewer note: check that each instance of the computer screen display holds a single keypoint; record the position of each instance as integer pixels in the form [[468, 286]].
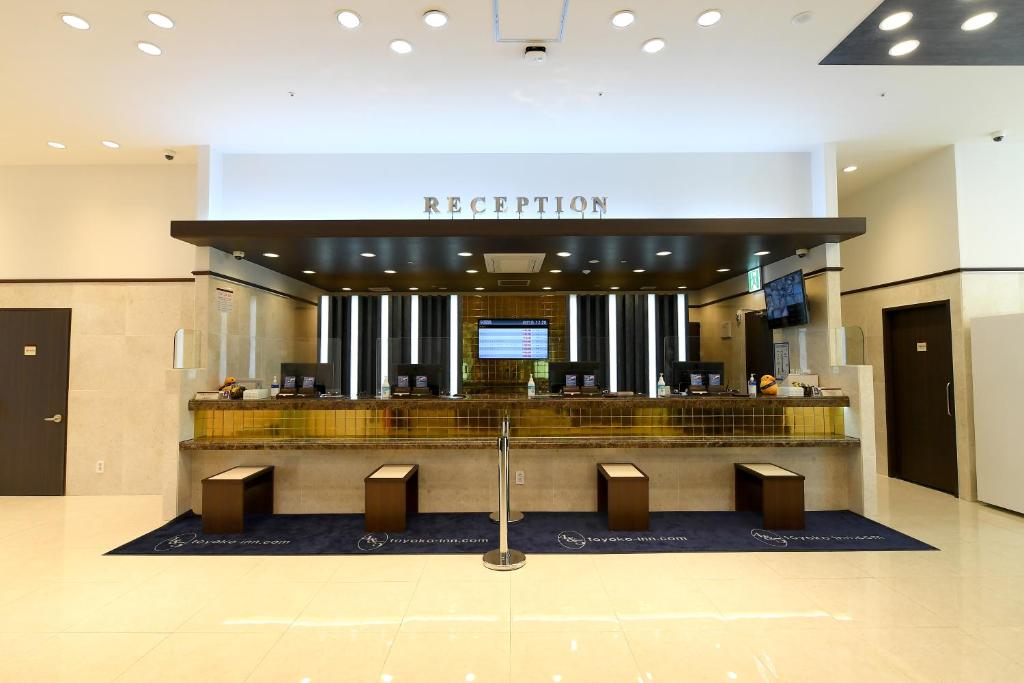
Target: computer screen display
[[512, 339], [785, 301]]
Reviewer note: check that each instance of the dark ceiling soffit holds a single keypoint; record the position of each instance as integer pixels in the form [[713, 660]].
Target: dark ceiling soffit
[[836, 229]]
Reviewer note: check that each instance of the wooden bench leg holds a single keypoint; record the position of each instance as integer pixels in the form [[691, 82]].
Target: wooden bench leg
[[259, 496], [748, 493], [386, 505], [602, 493], [783, 504], [223, 508], [628, 505]]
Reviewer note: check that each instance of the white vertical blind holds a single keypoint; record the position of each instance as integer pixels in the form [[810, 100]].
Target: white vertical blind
[[325, 326], [574, 342], [414, 334], [385, 302], [353, 360], [681, 326], [454, 362], [652, 377], [613, 351]]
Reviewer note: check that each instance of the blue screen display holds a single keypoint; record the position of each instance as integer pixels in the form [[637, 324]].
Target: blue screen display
[[509, 339]]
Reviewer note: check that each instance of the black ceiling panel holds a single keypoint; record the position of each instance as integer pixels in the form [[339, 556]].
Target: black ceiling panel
[[936, 24]]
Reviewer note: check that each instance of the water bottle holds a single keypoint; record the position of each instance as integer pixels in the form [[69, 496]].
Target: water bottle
[[275, 387], [531, 387], [663, 389], [752, 387], [385, 388]]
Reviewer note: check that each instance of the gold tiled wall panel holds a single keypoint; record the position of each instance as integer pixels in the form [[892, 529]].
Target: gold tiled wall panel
[[482, 375], [526, 421]]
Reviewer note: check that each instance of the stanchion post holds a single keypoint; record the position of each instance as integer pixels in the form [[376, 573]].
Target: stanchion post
[[503, 558]]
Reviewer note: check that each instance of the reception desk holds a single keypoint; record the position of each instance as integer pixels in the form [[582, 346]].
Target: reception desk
[[322, 448]]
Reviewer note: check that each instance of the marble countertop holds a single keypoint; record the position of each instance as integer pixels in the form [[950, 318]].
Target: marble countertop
[[739, 402]]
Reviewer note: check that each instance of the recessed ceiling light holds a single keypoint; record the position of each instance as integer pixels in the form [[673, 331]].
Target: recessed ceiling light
[[979, 21], [895, 21], [414, 289], [401, 47], [545, 288], [75, 21], [479, 289], [613, 288], [270, 254], [110, 144], [723, 270], [160, 20], [653, 45], [149, 48], [904, 48], [761, 253], [564, 254], [802, 18], [623, 19], [346, 289], [555, 272], [472, 271], [850, 169], [594, 260], [639, 270], [435, 18], [349, 19], [465, 253], [367, 254], [57, 145], [681, 287], [390, 272], [709, 17], [309, 272], [664, 253]]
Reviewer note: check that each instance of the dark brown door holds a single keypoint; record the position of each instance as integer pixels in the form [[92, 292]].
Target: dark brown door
[[34, 346], [760, 347], [921, 419]]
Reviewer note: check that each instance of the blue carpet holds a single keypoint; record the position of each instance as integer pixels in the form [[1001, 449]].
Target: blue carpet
[[540, 532]]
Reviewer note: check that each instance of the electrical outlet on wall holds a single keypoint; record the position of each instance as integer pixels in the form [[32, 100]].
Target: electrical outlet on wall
[[520, 477], [99, 467]]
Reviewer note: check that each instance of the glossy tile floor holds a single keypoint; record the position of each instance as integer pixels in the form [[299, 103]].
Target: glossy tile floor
[[69, 614]]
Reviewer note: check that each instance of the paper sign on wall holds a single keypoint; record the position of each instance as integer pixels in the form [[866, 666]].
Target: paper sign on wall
[[30, 350], [922, 346], [225, 298], [781, 359]]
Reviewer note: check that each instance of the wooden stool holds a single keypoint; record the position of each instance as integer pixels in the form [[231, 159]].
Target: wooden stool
[[231, 495], [622, 492], [776, 493], [392, 493]]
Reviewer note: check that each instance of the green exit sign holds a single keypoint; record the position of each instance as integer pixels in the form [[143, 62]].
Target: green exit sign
[[754, 279]]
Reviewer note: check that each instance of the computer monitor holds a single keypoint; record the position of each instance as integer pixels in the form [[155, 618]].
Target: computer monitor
[[708, 375], [431, 371], [562, 375], [307, 378]]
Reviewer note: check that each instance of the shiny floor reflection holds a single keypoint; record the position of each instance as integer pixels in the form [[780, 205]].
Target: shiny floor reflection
[[69, 614]]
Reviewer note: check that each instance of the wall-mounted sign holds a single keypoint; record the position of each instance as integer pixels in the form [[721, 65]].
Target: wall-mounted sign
[[225, 299], [754, 279], [922, 346], [781, 359], [518, 205], [30, 350]]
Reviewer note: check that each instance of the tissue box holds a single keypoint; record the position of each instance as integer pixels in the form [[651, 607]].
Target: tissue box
[[255, 394]]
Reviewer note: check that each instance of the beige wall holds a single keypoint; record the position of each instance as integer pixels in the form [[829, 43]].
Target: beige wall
[[76, 222], [912, 225], [123, 397], [990, 195]]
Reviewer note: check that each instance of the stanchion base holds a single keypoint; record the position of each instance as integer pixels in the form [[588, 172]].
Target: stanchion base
[[513, 516], [513, 560]]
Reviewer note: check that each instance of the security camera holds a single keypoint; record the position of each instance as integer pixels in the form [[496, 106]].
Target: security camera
[[802, 253], [169, 154], [999, 136], [535, 54], [239, 255]]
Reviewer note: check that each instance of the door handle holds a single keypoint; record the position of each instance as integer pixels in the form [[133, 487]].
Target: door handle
[[948, 412], [56, 418]]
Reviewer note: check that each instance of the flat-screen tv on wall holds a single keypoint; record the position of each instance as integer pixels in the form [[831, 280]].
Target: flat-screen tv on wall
[[785, 301], [512, 339]]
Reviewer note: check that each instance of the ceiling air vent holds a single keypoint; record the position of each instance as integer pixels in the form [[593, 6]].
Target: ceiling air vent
[[513, 283], [513, 263], [379, 289]]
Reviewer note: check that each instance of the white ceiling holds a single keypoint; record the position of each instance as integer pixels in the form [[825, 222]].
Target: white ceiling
[[751, 83]]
